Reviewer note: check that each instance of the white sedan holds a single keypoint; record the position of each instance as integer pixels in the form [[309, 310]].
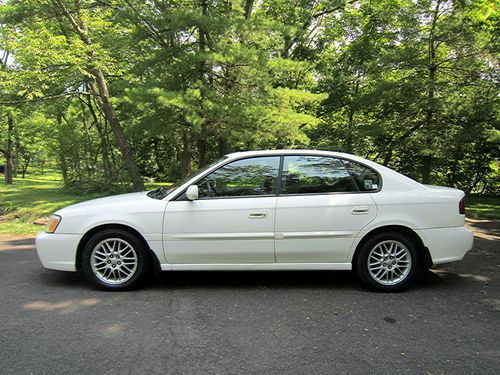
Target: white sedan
[[265, 210]]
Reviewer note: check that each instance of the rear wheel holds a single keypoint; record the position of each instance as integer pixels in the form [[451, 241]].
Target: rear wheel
[[387, 262], [114, 259]]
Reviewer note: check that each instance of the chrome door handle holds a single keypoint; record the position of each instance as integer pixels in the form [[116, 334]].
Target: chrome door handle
[[361, 210], [257, 214]]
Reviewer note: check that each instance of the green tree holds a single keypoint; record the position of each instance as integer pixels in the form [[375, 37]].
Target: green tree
[[69, 50]]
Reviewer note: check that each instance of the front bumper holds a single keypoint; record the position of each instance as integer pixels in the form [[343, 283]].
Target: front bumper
[[447, 244], [57, 251]]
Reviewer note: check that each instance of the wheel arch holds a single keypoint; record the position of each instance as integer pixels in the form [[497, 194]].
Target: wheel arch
[[425, 259], [88, 235]]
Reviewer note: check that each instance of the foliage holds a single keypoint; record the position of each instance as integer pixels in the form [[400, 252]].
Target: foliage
[[483, 207], [96, 87]]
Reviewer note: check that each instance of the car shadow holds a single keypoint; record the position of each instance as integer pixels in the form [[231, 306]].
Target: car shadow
[[256, 279], [335, 280], [52, 278]]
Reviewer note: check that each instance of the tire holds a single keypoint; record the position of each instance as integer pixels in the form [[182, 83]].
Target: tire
[[115, 260], [387, 262]]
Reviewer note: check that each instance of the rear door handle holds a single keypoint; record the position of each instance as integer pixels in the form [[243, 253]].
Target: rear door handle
[[361, 210], [257, 214]]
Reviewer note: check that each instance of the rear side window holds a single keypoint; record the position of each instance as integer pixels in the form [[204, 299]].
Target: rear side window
[[314, 175], [365, 178]]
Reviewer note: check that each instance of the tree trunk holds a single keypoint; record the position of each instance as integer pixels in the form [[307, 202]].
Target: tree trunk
[[108, 110], [248, 8], [80, 27], [202, 43], [17, 152], [427, 159], [352, 111], [26, 165], [350, 127], [108, 170], [202, 147], [388, 156], [185, 155], [223, 146], [9, 151], [62, 157]]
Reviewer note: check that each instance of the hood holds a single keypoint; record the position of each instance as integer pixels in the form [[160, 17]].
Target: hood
[[107, 202]]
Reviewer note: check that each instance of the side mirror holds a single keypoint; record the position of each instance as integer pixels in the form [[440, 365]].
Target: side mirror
[[192, 192]]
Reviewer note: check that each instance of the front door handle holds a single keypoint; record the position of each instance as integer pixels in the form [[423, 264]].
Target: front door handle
[[361, 210], [257, 214]]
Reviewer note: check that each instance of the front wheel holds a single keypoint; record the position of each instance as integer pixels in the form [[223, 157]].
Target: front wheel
[[114, 259], [387, 262]]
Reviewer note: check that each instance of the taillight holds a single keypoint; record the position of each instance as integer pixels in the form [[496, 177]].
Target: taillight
[[461, 206]]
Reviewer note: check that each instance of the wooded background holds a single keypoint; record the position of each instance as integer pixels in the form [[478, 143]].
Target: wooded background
[[116, 92]]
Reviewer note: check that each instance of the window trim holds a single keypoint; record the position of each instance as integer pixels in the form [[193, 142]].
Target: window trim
[[181, 196]]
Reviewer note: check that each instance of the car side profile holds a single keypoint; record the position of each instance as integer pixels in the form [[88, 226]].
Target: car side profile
[[265, 210]]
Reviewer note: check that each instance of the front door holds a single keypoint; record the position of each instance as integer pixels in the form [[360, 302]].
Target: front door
[[324, 202], [233, 219]]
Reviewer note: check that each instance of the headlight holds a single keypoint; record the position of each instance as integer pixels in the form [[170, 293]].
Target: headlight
[[53, 223]]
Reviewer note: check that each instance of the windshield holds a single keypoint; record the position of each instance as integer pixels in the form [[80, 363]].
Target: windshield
[[163, 191]]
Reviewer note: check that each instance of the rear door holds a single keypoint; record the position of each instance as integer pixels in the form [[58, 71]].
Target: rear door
[[323, 203]]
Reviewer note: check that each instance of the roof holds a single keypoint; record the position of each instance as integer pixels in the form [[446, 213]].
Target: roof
[[285, 152], [237, 155]]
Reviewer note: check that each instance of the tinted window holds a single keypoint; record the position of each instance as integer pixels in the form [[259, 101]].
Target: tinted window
[[247, 177], [366, 179], [315, 174]]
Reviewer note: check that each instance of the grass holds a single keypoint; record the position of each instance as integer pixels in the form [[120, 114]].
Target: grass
[[482, 207], [34, 199], [37, 196], [31, 199]]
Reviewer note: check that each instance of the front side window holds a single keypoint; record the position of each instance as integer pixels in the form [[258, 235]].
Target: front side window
[[246, 177], [163, 191], [315, 174]]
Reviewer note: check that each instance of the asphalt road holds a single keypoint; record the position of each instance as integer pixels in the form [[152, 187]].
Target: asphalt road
[[251, 322]]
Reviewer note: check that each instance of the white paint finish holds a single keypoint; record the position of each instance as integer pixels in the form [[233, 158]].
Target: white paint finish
[[57, 251], [330, 250], [320, 228], [447, 244], [420, 209], [257, 267], [312, 231], [219, 231], [135, 210]]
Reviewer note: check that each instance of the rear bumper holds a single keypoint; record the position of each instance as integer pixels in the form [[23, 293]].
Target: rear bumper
[[447, 244], [57, 251]]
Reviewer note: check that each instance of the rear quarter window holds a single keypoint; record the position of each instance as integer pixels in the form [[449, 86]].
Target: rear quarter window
[[365, 178]]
